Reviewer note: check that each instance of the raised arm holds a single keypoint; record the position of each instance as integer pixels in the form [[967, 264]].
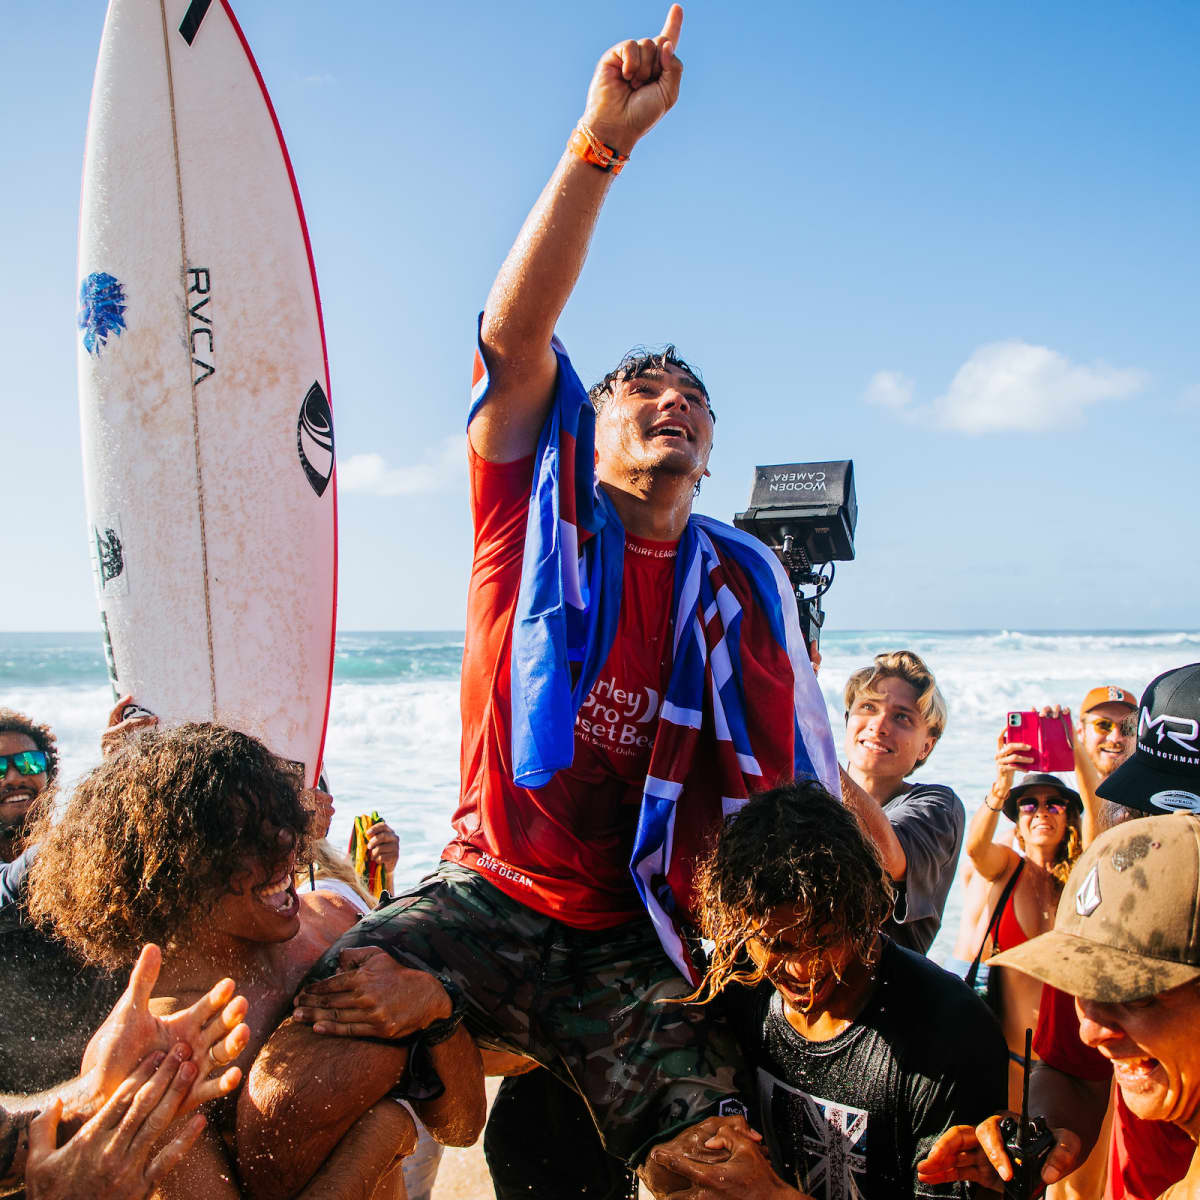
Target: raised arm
[[634, 84], [990, 858]]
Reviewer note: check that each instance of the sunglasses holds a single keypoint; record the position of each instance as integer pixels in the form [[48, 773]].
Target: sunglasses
[[1029, 807], [1104, 726], [27, 762]]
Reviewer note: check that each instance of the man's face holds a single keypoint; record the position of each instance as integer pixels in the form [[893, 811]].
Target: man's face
[[657, 422], [806, 970], [1109, 734], [1042, 817], [885, 732], [1153, 1048], [17, 792], [261, 904]]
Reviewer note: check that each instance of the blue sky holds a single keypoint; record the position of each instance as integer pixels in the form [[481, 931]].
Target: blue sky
[[956, 243]]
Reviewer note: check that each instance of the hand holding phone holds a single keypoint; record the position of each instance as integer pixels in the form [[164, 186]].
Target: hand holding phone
[[1049, 739]]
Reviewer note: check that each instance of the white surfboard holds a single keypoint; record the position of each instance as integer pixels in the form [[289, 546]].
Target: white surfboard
[[204, 386]]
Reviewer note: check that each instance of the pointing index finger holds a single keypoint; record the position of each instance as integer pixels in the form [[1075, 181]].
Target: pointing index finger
[[672, 26]]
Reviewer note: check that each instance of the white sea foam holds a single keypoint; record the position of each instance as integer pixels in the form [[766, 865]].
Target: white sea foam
[[393, 735]]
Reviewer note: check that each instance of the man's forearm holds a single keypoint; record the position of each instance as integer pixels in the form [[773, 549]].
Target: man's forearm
[[373, 1145], [1068, 1102], [302, 1095], [874, 823], [18, 1111], [543, 266], [457, 1116]]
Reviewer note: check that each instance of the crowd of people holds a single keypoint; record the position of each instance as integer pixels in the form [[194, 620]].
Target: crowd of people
[[692, 944]]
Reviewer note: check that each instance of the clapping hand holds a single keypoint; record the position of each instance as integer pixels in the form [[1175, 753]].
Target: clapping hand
[[212, 1030], [110, 1154]]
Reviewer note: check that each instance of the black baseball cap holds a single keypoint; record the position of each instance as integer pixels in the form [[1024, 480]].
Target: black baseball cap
[[1163, 774], [1041, 779]]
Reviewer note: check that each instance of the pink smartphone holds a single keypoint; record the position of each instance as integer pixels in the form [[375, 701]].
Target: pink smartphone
[[1050, 738]]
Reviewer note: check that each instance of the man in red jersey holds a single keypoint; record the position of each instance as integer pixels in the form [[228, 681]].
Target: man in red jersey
[[534, 922]]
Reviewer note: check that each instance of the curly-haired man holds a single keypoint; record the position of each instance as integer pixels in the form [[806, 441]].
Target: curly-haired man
[[190, 837], [863, 1052]]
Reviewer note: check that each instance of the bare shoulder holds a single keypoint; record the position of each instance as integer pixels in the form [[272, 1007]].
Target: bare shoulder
[[325, 916]]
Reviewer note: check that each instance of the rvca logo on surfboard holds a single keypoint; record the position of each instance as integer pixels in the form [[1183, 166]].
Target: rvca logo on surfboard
[[314, 438], [200, 324]]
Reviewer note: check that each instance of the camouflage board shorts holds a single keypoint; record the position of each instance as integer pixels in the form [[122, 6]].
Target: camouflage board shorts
[[586, 1004]]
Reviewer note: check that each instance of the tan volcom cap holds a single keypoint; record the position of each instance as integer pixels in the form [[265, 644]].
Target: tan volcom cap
[[1128, 923]]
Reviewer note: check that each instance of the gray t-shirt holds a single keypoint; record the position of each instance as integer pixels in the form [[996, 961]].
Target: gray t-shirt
[[929, 821]]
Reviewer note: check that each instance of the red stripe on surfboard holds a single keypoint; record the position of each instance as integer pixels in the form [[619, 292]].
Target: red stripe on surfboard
[[312, 270]]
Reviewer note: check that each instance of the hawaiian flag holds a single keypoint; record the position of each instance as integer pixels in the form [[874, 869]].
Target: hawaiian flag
[[742, 711]]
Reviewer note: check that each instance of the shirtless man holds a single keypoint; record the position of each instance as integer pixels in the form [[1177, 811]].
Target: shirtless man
[[190, 838]]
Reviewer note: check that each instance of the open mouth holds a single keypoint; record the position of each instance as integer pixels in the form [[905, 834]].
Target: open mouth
[[873, 746], [670, 431], [18, 796], [279, 895], [1134, 1073]]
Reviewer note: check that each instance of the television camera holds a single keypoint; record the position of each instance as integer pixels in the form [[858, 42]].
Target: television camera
[[806, 513]]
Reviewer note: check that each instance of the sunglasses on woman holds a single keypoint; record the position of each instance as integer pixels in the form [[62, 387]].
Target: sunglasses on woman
[[27, 762], [1029, 807]]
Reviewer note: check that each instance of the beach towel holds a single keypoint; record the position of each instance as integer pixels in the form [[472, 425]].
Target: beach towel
[[742, 711]]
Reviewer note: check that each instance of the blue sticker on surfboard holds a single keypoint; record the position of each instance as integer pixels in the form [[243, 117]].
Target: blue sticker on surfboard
[[101, 310]]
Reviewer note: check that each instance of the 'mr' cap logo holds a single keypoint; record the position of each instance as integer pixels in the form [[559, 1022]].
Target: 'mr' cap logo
[[1180, 730], [1087, 899]]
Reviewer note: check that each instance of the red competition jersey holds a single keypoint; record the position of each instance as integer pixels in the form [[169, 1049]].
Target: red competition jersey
[[562, 849], [1145, 1157]]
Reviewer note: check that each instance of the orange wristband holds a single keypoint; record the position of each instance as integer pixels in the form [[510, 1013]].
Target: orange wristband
[[585, 145]]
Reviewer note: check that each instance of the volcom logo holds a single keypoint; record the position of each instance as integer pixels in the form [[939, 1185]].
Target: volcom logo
[[1087, 899], [1184, 735], [1174, 800], [110, 558], [314, 439]]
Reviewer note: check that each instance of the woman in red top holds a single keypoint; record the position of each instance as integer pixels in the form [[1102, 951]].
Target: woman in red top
[[1047, 815]]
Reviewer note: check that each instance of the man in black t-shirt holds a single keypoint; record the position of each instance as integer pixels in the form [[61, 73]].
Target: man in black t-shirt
[[863, 1053]]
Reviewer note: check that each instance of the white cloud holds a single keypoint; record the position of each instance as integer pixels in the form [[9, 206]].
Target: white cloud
[[442, 469], [889, 389], [1010, 387], [320, 80]]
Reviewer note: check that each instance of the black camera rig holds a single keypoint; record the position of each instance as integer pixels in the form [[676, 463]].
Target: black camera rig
[[806, 513]]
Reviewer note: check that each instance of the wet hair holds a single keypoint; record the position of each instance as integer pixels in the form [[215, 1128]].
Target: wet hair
[[794, 848], [911, 668], [641, 361], [12, 721], [151, 838]]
